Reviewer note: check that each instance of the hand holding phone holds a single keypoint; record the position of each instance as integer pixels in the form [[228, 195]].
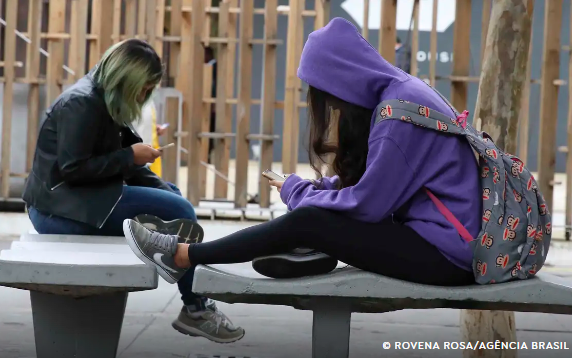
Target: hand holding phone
[[270, 175], [162, 128]]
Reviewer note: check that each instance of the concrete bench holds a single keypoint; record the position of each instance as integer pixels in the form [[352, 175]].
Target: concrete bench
[[333, 298], [78, 289]]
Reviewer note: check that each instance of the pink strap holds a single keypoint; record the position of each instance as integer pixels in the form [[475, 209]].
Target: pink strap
[[462, 118], [450, 217]]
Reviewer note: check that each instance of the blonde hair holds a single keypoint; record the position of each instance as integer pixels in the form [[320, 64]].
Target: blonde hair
[[123, 72]]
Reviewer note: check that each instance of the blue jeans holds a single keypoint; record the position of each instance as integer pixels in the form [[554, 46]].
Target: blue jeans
[[134, 201]]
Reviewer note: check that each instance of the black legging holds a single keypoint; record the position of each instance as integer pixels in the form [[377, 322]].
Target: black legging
[[385, 248]]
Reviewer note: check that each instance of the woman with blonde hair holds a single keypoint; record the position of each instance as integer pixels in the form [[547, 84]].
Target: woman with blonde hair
[[90, 171]]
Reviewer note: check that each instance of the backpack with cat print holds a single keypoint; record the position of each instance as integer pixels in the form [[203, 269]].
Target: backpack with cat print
[[516, 225]]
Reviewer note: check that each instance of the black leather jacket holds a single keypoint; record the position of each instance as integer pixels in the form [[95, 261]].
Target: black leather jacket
[[83, 158]]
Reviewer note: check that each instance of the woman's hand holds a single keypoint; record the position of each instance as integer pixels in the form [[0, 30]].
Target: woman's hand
[[144, 153], [161, 129], [277, 184]]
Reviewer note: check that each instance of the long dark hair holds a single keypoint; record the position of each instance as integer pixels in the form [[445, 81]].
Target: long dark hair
[[353, 132]]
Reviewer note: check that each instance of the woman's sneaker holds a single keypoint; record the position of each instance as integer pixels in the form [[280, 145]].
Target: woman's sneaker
[[154, 249], [188, 231], [297, 263], [209, 323]]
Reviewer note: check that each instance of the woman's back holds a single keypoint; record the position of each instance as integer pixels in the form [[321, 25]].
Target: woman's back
[[443, 163]]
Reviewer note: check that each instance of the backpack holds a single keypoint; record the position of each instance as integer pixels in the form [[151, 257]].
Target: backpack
[[516, 225]]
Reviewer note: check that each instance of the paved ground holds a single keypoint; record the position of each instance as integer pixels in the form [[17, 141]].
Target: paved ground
[[273, 332]]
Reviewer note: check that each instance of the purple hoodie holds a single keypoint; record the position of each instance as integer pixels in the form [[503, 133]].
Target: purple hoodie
[[402, 158]]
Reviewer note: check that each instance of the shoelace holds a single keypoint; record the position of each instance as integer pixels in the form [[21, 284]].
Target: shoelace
[[220, 318], [167, 243]]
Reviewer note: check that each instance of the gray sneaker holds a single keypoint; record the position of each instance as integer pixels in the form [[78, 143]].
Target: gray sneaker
[[154, 249], [209, 323]]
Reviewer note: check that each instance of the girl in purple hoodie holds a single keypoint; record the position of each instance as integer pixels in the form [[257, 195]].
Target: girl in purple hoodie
[[375, 213]]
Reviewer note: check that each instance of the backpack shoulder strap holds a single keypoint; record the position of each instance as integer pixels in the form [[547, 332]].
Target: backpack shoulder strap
[[420, 115]]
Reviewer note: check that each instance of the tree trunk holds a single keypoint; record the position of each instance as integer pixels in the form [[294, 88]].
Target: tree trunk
[[504, 72], [498, 105]]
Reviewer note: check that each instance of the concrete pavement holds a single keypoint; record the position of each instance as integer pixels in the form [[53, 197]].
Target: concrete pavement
[[272, 331]]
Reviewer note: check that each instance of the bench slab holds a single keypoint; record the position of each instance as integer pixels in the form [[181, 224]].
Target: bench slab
[[76, 266], [370, 293], [78, 289]]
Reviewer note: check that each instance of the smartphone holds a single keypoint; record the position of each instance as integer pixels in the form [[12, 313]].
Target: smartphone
[[164, 125], [167, 146], [270, 175]]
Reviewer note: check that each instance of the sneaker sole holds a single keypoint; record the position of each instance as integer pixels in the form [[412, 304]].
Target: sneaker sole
[[139, 253], [193, 332], [289, 266], [190, 232]]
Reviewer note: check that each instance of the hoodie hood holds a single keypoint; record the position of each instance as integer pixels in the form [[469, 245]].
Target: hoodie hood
[[338, 60]]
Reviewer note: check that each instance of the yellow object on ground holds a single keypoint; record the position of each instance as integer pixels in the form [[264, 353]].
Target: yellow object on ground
[[157, 166]]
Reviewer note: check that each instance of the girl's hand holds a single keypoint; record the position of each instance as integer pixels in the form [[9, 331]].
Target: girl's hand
[[277, 184], [161, 129]]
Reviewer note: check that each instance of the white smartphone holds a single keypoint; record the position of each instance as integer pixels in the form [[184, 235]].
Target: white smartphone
[[167, 146], [270, 175]]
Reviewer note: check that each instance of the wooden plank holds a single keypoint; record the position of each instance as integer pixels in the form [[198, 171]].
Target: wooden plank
[[175, 30], [116, 32], [100, 11], [32, 72], [150, 21], [461, 54], [387, 30], [192, 58], [105, 40], [499, 113], [568, 215], [291, 95], [222, 145], [205, 125], [9, 75], [207, 29], [433, 45], [282, 10], [141, 19], [131, 17], [207, 108], [78, 29], [159, 27], [365, 29], [74, 25], [415, 39], [549, 98], [54, 72], [269, 95], [243, 108], [322, 13], [523, 121], [485, 26], [229, 88], [169, 159]]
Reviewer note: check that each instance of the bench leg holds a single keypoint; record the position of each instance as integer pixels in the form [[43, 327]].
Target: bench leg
[[89, 327], [331, 331]]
